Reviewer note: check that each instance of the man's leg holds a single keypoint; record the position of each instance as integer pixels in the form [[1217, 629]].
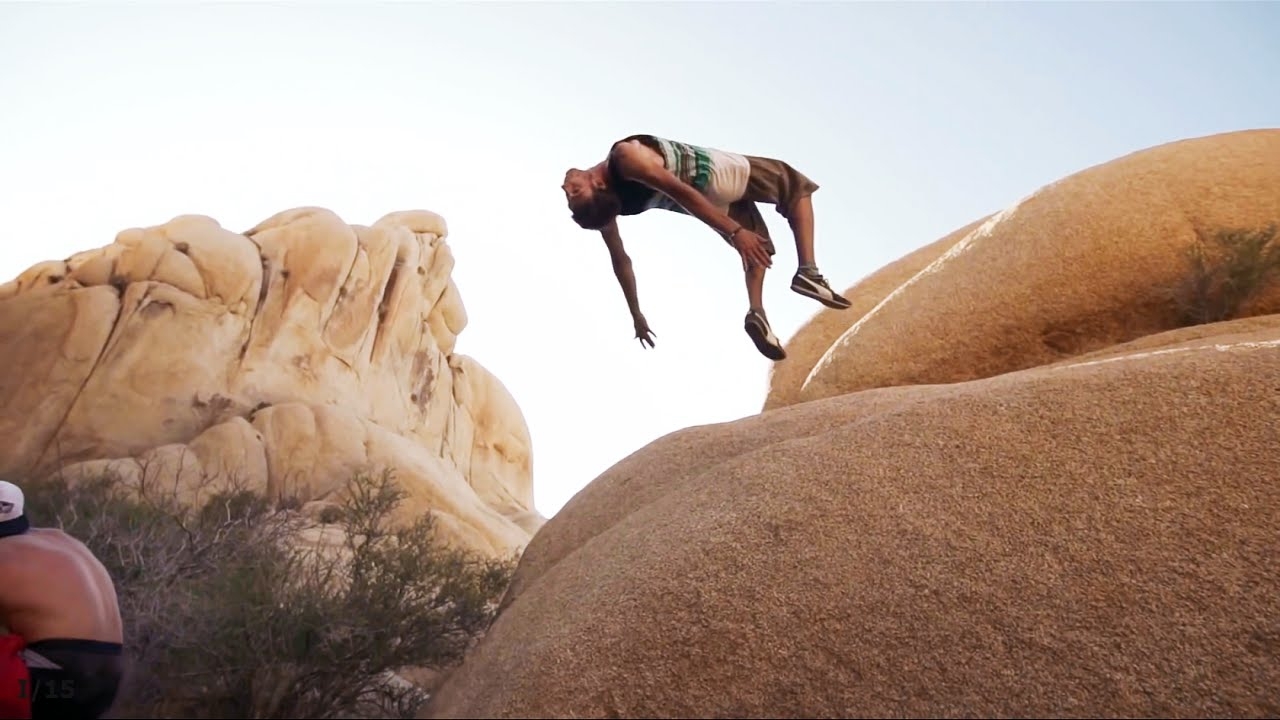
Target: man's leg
[[755, 288], [757, 323], [799, 216], [791, 193]]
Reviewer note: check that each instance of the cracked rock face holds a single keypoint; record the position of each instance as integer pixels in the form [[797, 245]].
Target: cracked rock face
[[288, 357]]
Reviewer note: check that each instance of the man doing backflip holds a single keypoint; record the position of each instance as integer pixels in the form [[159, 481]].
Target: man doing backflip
[[645, 172]]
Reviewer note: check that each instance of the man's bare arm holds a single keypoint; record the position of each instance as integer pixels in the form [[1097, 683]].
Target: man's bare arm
[[621, 266], [627, 279]]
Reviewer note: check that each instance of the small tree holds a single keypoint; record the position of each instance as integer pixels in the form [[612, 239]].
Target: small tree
[[230, 613], [1226, 271]]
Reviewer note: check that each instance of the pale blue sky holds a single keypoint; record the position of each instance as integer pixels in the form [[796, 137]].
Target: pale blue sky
[[916, 118]]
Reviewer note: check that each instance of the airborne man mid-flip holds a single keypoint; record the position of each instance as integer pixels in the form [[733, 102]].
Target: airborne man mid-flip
[[644, 172]]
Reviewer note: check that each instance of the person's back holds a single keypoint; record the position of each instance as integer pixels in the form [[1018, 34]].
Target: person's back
[[51, 586], [60, 607]]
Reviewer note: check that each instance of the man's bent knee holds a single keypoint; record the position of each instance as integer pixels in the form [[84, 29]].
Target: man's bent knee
[[798, 189]]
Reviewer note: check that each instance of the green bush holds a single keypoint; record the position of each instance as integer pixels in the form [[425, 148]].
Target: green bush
[[1226, 271], [228, 615]]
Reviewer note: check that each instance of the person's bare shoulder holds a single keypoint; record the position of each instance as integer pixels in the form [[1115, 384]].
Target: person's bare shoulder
[[43, 541], [22, 545], [634, 161]]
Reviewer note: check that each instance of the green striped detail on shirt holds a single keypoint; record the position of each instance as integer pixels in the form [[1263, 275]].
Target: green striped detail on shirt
[[690, 163]]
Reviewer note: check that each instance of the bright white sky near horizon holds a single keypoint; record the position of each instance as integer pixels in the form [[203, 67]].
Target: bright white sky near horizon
[[915, 118]]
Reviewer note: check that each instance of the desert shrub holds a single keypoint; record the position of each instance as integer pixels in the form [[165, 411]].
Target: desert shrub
[[229, 615], [1225, 271]]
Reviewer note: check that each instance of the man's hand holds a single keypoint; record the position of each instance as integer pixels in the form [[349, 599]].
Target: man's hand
[[751, 247], [643, 333]]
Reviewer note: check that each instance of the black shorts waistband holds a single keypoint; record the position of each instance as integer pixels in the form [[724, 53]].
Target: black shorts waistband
[[97, 647]]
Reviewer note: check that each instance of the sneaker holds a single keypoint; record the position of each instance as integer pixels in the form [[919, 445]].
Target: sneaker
[[761, 334], [811, 284]]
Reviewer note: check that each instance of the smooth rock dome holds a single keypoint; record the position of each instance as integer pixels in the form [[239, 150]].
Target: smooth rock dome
[[1079, 265]]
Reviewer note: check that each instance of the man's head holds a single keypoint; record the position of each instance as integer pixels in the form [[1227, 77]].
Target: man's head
[[13, 518], [593, 204]]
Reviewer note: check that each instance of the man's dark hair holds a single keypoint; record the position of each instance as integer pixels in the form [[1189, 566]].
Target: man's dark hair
[[599, 211]]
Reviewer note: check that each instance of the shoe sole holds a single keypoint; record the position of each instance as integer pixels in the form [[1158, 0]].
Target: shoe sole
[[829, 302], [766, 348]]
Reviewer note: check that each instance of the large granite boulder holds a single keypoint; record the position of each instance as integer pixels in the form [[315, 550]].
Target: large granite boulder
[[287, 357]]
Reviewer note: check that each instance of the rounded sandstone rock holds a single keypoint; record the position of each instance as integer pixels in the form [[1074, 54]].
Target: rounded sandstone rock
[[1090, 539], [1089, 261]]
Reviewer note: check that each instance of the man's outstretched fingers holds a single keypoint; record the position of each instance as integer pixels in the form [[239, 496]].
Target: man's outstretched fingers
[[644, 336]]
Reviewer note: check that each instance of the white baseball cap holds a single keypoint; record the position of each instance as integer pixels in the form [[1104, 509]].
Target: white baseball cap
[[13, 519]]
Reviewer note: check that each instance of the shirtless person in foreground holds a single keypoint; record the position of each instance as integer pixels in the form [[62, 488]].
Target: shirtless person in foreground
[[64, 657]]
